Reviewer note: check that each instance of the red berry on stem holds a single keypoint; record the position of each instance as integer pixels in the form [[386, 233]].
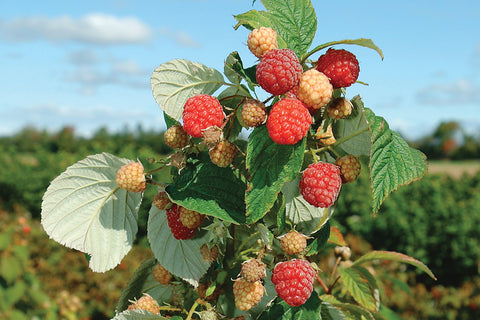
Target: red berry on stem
[[340, 66], [320, 184], [200, 112]]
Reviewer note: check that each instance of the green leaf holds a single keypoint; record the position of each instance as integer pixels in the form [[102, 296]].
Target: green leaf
[[330, 312], [280, 310], [138, 314], [393, 163], [14, 293], [143, 282], [368, 43], [295, 22], [177, 80], [211, 190], [394, 256], [336, 237], [270, 165], [319, 241], [362, 286], [10, 268], [350, 311], [307, 218], [84, 209], [180, 257], [235, 71], [355, 131]]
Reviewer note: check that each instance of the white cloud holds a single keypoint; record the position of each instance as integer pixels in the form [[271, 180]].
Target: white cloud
[[180, 37], [461, 92], [95, 28]]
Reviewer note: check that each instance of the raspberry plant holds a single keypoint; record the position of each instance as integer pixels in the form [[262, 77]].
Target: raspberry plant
[[250, 193]]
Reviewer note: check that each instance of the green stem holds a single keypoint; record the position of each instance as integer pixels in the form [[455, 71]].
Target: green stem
[[192, 309]]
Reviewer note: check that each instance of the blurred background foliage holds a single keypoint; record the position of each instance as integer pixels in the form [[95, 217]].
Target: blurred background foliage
[[434, 220]]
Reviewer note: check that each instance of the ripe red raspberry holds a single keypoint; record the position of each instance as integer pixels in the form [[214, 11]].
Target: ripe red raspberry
[[349, 168], [314, 89], [325, 137], [190, 218], [223, 153], [176, 138], [279, 71], [247, 294], [293, 242], [253, 270], [200, 112], [162, 201], [320, 184], [179, 231], [293, 281], [288, 121], [254, 113], [131, 177], [340, 108], [340, 66], [262, 40], [161, 274], [146, 302]]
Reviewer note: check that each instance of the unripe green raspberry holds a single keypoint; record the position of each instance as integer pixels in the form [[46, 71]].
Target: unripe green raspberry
[[254, 113], [176, 137], [223, 153], [314, 89], [340, 108], [262, 40], [349, 168]]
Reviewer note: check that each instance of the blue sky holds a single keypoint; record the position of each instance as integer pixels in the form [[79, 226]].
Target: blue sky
[[88, 63]]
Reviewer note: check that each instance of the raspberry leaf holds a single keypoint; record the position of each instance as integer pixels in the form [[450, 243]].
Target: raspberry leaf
[[84, 209], [270, 165], [143, 282], [280, 310], [362, 286], [353, 311], [138, 314], [175, 81], [352, 133], [393, 163], [211, 190], [368, 43], [295, 22], [180, 257], [235, 71]]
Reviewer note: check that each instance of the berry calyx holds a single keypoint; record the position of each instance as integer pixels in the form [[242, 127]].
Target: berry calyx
[[176, 138], [320, 184], [254, 113], [146, 302], [179, 231], [190, 218], [262, 40], [340, 66], [278, 71], [253, 270], [223, 153], [293, 242], [161, 274], [293, 281], [212, 135], [350, 168], [162, 201], [288, 121], [340, 108], [325, 137], [314, 89], [247, 294], [131, 177], [200, 112]]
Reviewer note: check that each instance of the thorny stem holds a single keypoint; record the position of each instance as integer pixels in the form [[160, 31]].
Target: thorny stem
[[192, 309], [168, 308]]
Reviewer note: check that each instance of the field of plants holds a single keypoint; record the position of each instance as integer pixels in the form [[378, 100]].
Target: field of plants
[[435, 220]]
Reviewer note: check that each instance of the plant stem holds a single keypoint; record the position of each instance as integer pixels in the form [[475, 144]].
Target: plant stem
[[192, 309], [324, 287]]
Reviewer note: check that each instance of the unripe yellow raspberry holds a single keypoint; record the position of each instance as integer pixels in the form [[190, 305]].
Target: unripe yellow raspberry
[[340, 108], [176, 137], [190, 218], [254, 113], [293, 242], [350, 168], [131, 177], [161, 274], [262, 40], [247, 294], [223, 153], [314, 89]]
